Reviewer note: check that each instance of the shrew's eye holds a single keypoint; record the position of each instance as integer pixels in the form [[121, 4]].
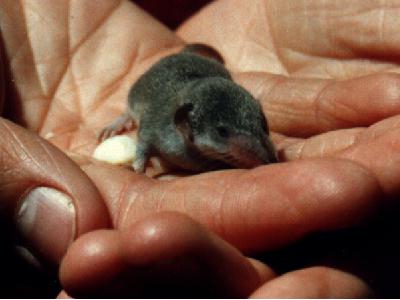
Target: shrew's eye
[[222, 132]]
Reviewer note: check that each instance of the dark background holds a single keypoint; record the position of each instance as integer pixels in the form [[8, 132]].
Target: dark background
[[171, 12]]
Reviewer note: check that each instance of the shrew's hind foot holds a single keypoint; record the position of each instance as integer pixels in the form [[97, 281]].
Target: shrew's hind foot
[[120, 125]]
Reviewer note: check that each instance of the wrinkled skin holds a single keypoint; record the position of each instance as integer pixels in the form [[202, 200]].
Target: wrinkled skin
[[327, 79]]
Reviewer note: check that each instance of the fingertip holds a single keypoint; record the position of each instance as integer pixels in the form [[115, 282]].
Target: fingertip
[[171, 234], [217, 268], [92, 260]]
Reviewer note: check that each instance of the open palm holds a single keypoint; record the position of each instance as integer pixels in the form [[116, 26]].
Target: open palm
[[326, 79]]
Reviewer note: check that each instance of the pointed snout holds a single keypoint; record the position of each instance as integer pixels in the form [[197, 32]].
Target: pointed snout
[[268, 148], [250, 152]]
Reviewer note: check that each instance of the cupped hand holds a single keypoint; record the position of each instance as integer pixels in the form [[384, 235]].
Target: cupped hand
[[71, 65]]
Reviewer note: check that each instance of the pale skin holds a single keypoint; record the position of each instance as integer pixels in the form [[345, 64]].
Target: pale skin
[[71, 65]]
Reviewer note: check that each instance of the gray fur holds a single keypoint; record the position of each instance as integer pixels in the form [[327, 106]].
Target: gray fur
[[192, 114]]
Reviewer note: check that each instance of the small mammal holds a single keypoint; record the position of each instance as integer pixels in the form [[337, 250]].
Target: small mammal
[[191, 113]]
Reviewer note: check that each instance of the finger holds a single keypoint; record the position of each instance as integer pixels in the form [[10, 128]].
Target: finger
[[304, 107], [333, 142], [373, 28], [166, 254], [252, 209], [322, 145], [276, 35], [316, 282], [48, 197], [376, 148]]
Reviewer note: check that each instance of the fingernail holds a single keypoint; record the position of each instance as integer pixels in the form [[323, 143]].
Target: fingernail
[[46, 223]]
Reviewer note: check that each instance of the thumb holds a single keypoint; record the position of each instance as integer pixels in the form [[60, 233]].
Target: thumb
[[44, 194]]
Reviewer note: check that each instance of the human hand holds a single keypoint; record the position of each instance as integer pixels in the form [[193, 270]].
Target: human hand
[[74, 89], [99, 263], [327, 76]]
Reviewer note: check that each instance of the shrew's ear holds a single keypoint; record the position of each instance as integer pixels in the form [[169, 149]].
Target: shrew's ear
[[182, 121]]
